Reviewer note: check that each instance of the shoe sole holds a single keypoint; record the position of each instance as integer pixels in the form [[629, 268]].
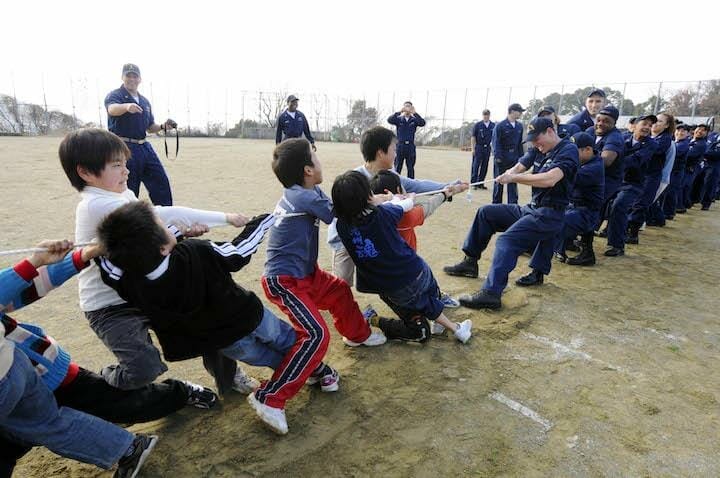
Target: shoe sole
[[460, 274], [481, 306], [145, 454], [521, 284], [254, 405]]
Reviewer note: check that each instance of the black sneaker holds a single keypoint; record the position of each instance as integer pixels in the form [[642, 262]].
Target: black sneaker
[[416, 329], [129, 466], [632, 240], [533, 278], [466, 268], [680, 211], [199, 396], [481, 300], [705, 208], [615, 252]]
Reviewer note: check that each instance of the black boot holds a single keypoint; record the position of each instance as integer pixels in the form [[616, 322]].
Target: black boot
[[481, 300], [615, 252], [416, 329], [468, 267], [533, 278], [632, 234], [587, 255]]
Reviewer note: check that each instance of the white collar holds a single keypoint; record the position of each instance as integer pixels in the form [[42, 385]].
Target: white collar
[[159, 270]]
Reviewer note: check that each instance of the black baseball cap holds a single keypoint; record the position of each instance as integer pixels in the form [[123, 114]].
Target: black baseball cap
[[538, 126], [546, 109], [582, 140], [597, 92], [652, 118], [703, 125], [131, 68], [486, 112], [683, 126], [610, 111], [515, 107], [292, 98]]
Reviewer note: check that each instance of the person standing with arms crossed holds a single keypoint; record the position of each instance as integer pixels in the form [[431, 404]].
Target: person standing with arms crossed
[[480, 143], [407, 121], [130, 117]]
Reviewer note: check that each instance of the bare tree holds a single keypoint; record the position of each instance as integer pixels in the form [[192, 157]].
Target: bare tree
[[271, 105]]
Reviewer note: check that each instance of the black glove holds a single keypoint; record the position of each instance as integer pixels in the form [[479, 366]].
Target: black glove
[[170, 124]]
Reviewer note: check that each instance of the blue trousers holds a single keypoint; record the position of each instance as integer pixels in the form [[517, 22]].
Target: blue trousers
[[688, 181], [710, 185], [145, 167], [673, 193], [266, 346], [618, 213], [30, 414], [578, 220], [640, 209], [512, 191], [524, 228], [480, 159], [405, 153]]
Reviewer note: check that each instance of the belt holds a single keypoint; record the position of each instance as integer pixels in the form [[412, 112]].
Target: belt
[[407, 142], [133, 140]]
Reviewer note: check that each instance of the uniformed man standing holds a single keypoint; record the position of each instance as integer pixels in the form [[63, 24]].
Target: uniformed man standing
[[673, 194], [407, 121], [292, 123], [481, 145], [696, 151], [594, 102], [507, 147], [712, 173], [130, 117], [533, 226]]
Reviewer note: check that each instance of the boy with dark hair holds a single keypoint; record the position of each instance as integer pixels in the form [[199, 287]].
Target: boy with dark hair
[[95, 163], [187, 292], [295, 283], [386, 264]]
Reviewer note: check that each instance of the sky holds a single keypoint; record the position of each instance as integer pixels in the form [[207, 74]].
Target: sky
[[214, 50]]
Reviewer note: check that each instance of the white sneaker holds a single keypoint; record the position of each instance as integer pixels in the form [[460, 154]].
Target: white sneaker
[[376, 338], [244, 383], [448, 301], [328, 382], [435, 328], [272, 417], [464, 331]]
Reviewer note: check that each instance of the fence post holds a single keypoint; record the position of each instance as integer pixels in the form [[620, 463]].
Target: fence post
[[657, 99], [187, 105], [443, 118], [622, 100], [242, 116], [562, 94], [509, 96], [462, 124], [47, 113], [487, 95], [97, 90], [695, 98], [534, 97], [72, 101]]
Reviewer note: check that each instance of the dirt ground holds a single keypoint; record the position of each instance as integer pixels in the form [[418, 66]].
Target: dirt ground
[[603, 371]]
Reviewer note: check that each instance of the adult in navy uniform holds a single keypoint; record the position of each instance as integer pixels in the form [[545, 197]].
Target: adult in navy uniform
[[594, 102], [639, 148], [130, 117], [407, 121], [696, 152], [507, 146], [533, 226], [292, 123], [481, 145], [583, 213], [712, 174], [673, 194]]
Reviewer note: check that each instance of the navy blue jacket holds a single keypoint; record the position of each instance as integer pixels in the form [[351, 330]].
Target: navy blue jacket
[[657, 162], [589, 190], [612, 141], [636, 159], [289, 127], [681, 150], [567, 130], [507, 143], [563, 156], [406, 126], [696, 152], [129, 125], [583, 120], [483, 135], [712, 154]]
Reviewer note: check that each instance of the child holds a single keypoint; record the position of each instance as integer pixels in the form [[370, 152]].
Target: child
[[95, 163], [29, 412], [386, 264], [389, 181], [294, 282]]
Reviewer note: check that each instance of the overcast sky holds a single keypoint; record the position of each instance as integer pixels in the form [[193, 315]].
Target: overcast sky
[[358, 47]]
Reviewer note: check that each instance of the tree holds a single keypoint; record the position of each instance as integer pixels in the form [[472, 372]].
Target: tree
[[361, 118], [271, 105]]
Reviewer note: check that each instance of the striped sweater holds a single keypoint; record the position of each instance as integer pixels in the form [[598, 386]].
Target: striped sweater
[[20, 286]]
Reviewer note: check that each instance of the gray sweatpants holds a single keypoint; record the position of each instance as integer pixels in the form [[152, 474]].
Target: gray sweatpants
[[124, 330]]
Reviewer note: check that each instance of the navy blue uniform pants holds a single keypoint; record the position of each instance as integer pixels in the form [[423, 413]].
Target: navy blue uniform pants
[[688, 181], [500, 167], [640, 209], [405, 153], [618, 213], [480, 159], [524, 228], [673, 193], [709, 189], [578, 220], [145, 167]]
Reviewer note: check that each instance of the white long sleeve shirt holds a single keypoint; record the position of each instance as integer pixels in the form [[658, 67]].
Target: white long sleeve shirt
[[94, 205]]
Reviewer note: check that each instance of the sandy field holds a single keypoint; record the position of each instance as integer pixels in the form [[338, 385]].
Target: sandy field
[[603, 371]]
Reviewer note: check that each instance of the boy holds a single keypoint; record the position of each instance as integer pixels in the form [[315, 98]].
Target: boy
[[95, 163], [29, 412], [293, 281], [385, 181], [386, 264]]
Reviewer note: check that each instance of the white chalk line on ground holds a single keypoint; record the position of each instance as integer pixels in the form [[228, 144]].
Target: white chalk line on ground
[[522, 409], [671, 337]]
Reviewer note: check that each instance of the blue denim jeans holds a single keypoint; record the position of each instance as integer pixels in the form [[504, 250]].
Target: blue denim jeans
[[419, 297], [30, 414], [266, 345]]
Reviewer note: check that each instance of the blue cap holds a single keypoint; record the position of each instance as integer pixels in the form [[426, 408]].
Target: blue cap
[[610, 111], [582, 140], [652, 118], [515, 107], [131, 68], [597, 92], [546, 109], [538, 126]]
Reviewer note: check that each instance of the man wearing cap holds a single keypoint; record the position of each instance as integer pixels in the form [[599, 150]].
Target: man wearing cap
[[696, 151], [563, 131], [586, 199], [292, 123], [712, 173], [130, 117], [533, 226], [594, 102], [639, 148], [481, 144], [507, 148], [673, 194], [407, 121]]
